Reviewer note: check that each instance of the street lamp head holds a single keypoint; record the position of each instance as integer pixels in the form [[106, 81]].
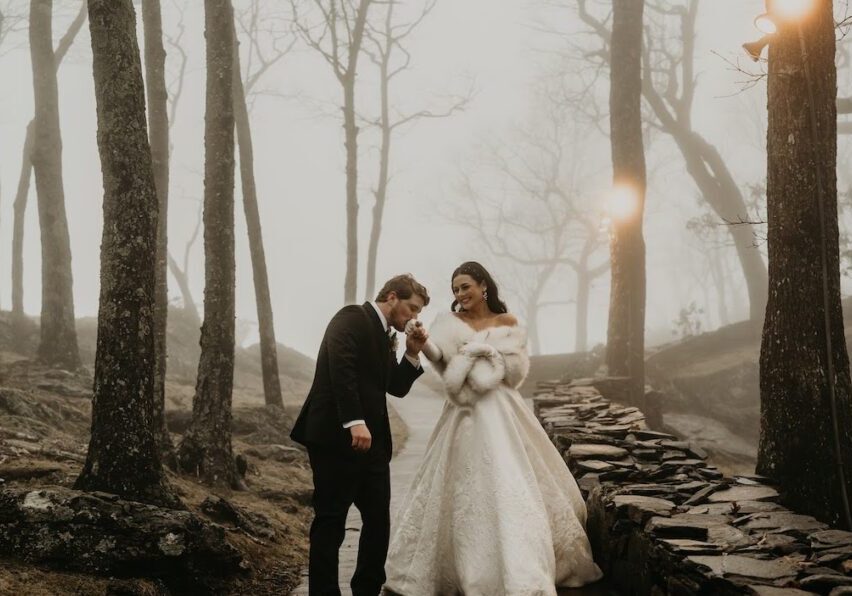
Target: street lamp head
[[790, 10], [623, 202], [765, 24], [755, 48]]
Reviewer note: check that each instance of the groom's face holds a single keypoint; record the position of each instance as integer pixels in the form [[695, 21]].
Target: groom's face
[[403, 310]]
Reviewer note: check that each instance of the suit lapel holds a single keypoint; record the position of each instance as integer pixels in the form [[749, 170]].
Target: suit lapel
[[380, 339]]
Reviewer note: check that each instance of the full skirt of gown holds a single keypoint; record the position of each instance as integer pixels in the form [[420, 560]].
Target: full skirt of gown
[[493, 509]]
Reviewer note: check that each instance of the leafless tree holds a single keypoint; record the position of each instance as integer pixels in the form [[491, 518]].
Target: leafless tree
[[805, 386], [669, 86], [206, 447], [526, 206], [263, 300], [625, 353], [58, 343], [123, 457], [386, 49], [337, 37], [158, 137], [25, 177]]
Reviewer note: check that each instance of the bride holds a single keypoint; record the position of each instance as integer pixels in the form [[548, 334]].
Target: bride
[[493, 509]]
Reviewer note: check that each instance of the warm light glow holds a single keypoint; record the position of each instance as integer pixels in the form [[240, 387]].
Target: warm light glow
[[623, 202], [765, 24], [791, 10]]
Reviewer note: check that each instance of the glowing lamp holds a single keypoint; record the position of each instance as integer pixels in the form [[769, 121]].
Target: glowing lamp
[[623, 202]]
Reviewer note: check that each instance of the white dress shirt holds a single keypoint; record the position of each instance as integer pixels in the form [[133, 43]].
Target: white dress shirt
[[415, 362]]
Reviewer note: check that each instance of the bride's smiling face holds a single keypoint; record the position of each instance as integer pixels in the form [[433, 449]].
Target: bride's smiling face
[[467, 291]]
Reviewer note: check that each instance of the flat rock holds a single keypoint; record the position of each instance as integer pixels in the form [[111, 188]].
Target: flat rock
[[773, 591], [726, 565], [687, 547], [594, 465], [784, 521], [830, 538], [825, 582], [596, 451], [640, 509], [745, 493]]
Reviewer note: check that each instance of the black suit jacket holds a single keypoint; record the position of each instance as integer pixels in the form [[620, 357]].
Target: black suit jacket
[[355, 369]]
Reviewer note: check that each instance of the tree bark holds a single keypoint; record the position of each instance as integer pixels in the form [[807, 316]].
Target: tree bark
[[266, 327], [123, 457], [206, 448], [158, 136], [805, 442], [58, 343], [626, 330]]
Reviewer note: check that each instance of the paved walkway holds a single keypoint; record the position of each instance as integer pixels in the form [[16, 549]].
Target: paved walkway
[[420, 410]]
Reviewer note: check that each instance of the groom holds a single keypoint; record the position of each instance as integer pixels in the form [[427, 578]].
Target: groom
[[344, 424]]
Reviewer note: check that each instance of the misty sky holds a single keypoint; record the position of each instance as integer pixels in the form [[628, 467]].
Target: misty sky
[[495, 46]]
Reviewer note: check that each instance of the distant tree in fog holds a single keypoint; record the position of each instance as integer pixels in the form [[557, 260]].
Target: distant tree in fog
[[158, 138], [58, 342], [25, 176], [337, 33], [669, 87], [526, 203], [123, 457], [805, 387], [263, 300], [385, 47]]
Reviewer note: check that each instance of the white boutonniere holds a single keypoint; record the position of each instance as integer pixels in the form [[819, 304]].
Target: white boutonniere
[[394, 341]]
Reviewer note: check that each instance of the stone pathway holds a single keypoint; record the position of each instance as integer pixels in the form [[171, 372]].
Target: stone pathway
[[420, 410]]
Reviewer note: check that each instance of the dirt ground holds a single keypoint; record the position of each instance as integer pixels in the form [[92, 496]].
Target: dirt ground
[[44, 426]]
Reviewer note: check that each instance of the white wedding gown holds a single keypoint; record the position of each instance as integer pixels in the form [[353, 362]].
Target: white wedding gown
[[493, 509]]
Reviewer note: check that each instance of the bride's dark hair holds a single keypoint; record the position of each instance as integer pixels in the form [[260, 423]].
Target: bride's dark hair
[[480, 275]]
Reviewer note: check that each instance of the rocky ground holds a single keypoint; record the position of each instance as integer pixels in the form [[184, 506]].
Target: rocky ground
[[664, 520], [44, 426]]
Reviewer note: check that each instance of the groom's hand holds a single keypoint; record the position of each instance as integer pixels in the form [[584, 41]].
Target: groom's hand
[[361, 437]]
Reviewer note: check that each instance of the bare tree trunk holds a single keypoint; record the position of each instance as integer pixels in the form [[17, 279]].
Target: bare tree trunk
[[805, 387], [58, 344], [23, 190], [350, 287], [123, 457], [532, 323], [206, 448], [381, 196], [268, 346], [626, 331], [20, 209], [158, 135], [180, 276], [581, 324], [350, 129]]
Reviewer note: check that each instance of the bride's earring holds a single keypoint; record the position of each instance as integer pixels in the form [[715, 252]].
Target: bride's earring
[[485, 295]]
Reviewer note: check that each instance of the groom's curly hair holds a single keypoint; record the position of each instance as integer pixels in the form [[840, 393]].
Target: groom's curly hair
[[405, 287]]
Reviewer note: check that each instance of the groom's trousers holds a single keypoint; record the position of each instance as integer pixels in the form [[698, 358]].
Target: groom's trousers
[[339, 482]]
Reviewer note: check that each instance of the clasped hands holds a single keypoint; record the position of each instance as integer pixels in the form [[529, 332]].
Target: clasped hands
[[415, 337]]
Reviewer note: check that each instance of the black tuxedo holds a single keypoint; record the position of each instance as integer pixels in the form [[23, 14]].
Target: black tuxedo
[[355, 369]]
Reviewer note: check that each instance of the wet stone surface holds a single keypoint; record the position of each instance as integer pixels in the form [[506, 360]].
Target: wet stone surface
[[664, 520]]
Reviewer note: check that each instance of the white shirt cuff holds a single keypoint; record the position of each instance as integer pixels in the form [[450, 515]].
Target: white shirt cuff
[[415, 362], [353, 423]]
